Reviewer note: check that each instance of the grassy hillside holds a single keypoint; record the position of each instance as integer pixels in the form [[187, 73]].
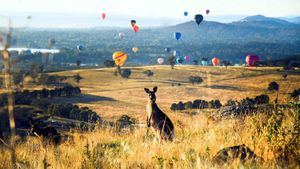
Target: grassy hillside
[[197, 138], [112, 96]]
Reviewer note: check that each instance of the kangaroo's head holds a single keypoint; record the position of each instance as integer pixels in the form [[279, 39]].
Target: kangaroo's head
[[151, 94]]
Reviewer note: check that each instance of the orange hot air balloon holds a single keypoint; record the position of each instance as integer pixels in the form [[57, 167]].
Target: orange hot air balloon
[[103, 16], [120, 58], [136, 29], [215, 61]]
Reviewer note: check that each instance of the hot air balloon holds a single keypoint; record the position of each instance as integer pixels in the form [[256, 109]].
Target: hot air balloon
[[133, 22], [198, 18], [176, 53], [186, 58], [215, 61], [207, 11], [204, 62], [136, 29], [160, 61], [121, 35], [179, 60], [119, 58], [103, 16], [177, 35], [79, 47], [185, 13], [29, 17], [135, 49], [251, 60], [168, 50]]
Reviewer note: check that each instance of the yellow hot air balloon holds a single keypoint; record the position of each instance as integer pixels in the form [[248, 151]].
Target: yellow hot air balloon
[[135, 49], [119, 58]]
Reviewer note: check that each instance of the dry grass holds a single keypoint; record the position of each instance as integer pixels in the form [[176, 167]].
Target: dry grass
[[197, 139]]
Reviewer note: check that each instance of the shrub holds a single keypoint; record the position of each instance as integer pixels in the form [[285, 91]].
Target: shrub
[[188, 105], [195, 79], [180, 106], [172, 61], [262, 99], [126, 73], [77, 78], [109, 63], [296, 94], [125, 121], [148, 73], [273, 86], [230, 103], [174, 107]]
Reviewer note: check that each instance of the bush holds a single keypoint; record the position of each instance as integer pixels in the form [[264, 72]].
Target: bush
[[273, 86], [126, 73], [188, 105], [109, 63], [148, 73], [180, 106], [262, 99], [174, 107], [195, 79], [296, 94], [172, 61], [230, 103], [77, 78]]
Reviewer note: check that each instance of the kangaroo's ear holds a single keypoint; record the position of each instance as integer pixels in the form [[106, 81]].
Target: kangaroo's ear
[[147, 90], [155, 89]]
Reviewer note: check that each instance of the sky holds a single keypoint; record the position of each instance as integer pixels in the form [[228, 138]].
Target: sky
[[151, 12]]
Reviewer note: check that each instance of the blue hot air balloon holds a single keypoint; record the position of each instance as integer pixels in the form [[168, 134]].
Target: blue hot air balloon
[[168, 50], [176, 53], [179, 60], [198, 18], [185, 13], [204, 62], [177, 35], [80, 47]]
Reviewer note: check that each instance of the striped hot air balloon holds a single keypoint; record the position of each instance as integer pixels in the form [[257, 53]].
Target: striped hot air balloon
[[119, 58]]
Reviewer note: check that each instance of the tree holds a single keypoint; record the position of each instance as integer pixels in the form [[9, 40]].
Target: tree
[[109, 63], [172, 61], [195, 79], [296, 94], [273, 86], [148, 73], [77, 78], [195, 62], [78, 63], [18, 77], [1, 82], [125, 73]]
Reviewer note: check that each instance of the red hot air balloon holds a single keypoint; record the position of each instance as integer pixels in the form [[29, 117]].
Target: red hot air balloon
[[136, 29], [103, 16], [215, 61], [251, 60]]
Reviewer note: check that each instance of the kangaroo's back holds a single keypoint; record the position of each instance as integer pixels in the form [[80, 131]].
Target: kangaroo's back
[[157, 118]]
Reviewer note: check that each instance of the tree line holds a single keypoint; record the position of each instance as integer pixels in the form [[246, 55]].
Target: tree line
[[26, 97]]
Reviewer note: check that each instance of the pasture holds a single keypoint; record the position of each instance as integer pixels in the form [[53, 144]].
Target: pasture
[[197, 137]]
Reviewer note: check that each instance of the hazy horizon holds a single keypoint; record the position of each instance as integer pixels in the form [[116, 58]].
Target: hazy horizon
[[86, 14]]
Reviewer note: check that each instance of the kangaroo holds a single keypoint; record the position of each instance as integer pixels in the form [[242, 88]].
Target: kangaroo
[[157, 118]]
